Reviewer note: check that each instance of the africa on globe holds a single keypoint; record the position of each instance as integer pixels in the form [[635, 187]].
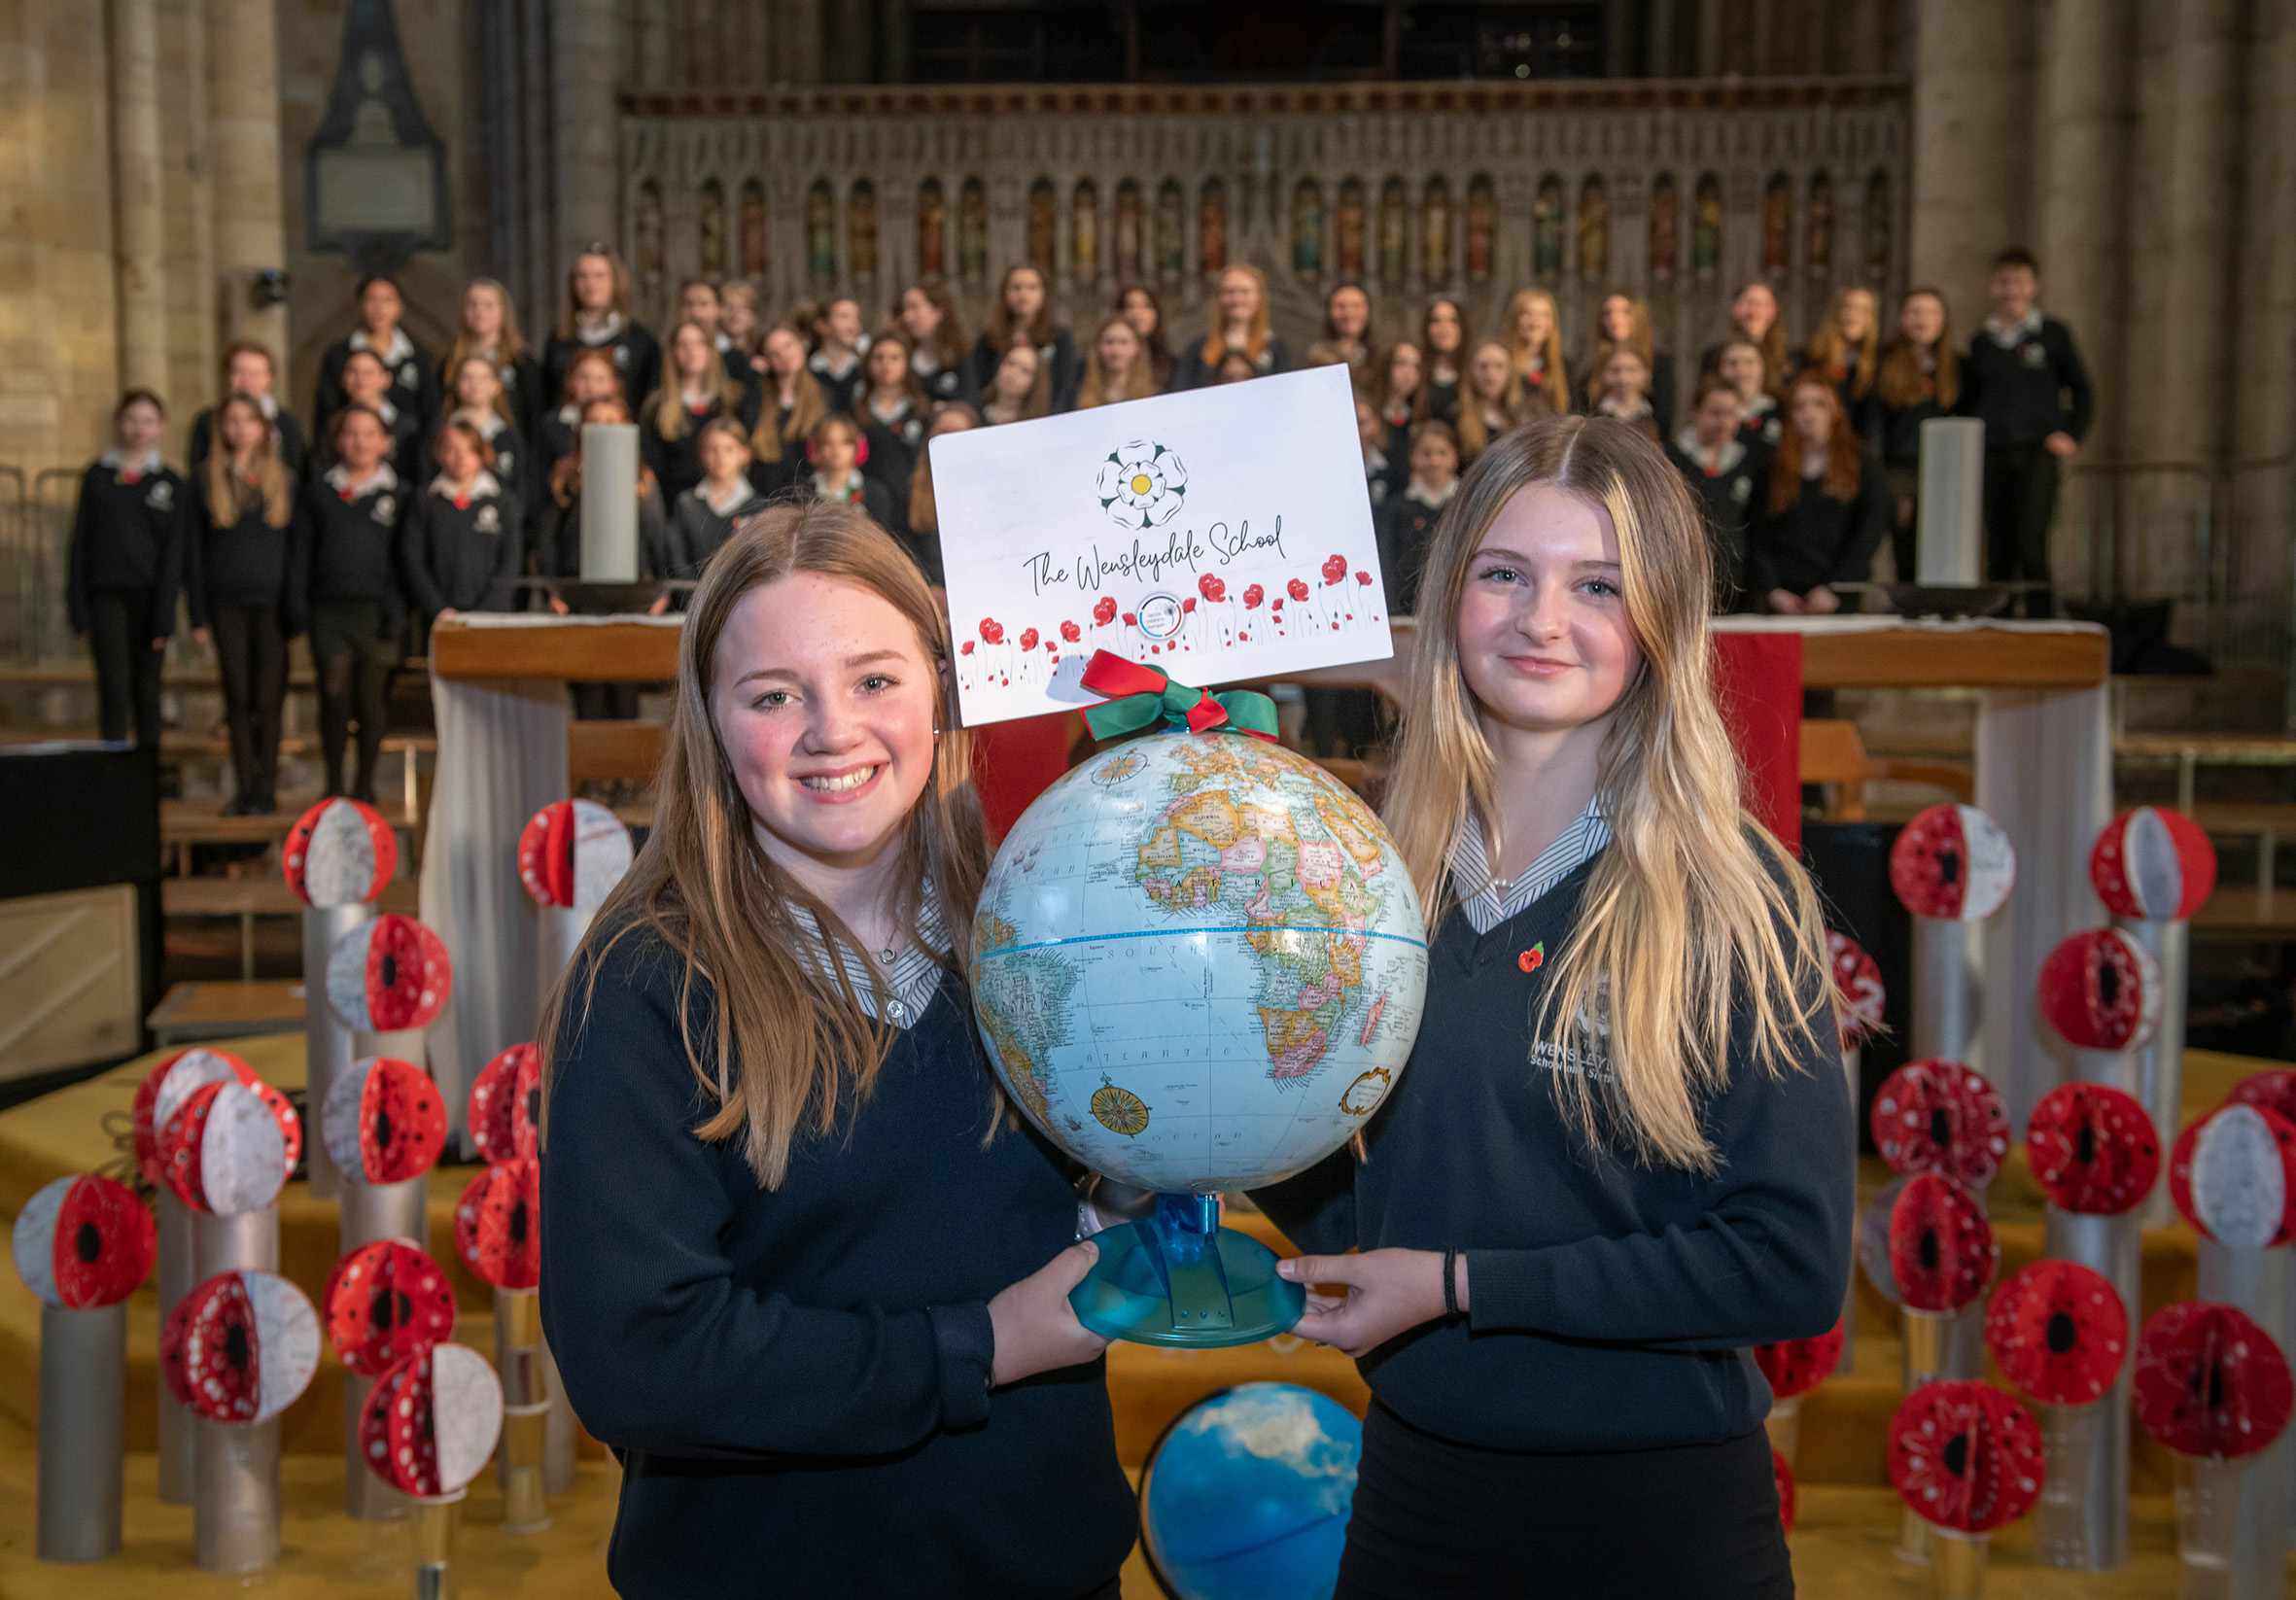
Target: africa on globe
[[1198, 963]]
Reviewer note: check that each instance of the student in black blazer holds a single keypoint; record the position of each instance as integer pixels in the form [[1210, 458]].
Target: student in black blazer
[[124, 567], [1825, 514], [596, 317], [1024, 316], [411, 382], [344, 588], [249, 369], [1238, 325], [240, 532], [696, 389], [893, 411], [490, 329]]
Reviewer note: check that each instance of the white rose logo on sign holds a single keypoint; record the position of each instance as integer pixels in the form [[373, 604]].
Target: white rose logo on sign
[[1141, 485]]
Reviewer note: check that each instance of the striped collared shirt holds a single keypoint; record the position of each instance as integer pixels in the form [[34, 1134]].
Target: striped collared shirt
[[1486, 901], [914, 978]]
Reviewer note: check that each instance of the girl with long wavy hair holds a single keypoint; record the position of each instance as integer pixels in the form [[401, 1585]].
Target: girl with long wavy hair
[[1023, 315], [1624, 321], [1534, 334], [1824, 512], [1492, 399], [1846, 351], [1615, 1161], [236, 553], [1137, 304], [1920, 377], [802, 1266], [792, 403], [489, 328], [927, 314], [1755, 318], [1116, 366], [1444, 341], [1237, 324], [596, 316], [697, 387]]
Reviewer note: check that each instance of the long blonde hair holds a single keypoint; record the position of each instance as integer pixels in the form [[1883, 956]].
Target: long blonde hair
[[666, 408], [1552, 392], [708, 890], [510, 344], [1514, 401], [1829, 345], [266, 476], [1692, 913], [1098, 389], [770, 439], [1257, 332]]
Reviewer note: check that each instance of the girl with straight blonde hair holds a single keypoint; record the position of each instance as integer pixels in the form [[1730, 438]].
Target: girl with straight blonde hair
[[801, 1267], [1492, 397], [1534, 333], [1116, 366], [792, 402], [489, 327], [1617, 1157], [237, 556]]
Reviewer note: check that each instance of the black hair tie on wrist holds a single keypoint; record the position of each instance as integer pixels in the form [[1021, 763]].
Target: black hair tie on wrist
[[1450, 1282]]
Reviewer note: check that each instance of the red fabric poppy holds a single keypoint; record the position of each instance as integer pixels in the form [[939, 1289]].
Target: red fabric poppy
[[240, 1348], [230, 1148], [1860, 978], [571, 852], [384, 1121], [496, 1223], [1952, 862], [1796, 1366], [1937, 1116], [1783, 1471], [2059, 1331], [432, 1420], [2093, 1149], [2100, 989], [83, 1242], [506, 1103], [1942, 1251], [2232, 1176], [2152, 863], [2273, 1090], [384, 1300], [390, 975], [2210, 1382], [1964, 1456], [165, 1088], [339, 852]]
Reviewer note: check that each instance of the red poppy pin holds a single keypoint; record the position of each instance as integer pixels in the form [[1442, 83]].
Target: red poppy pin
[[1533, 959]]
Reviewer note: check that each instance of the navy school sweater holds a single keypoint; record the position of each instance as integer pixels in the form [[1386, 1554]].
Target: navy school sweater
[[127, 536], [637, 356], [697, 529], [294, 448], [347, 550], [464, 556], [1612, 1307], [1818, 539], [797, 1380], [2023, 393], [242, 563]]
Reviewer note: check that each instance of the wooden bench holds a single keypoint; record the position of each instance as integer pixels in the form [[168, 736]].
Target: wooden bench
[[2244, 913], [2263, 820], [2189, 753], [222, 1008], [247, 898]]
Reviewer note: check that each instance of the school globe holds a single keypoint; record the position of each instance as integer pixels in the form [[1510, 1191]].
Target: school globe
[[1199, 962], [1247, 1495]]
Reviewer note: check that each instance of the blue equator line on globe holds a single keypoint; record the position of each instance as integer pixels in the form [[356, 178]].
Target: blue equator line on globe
[[1169, 932]]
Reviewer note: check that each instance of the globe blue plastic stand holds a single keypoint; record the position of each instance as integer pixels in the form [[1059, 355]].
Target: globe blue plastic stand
[[1176, 1277]]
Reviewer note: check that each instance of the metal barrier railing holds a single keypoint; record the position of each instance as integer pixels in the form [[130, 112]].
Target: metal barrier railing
[[47, 622]]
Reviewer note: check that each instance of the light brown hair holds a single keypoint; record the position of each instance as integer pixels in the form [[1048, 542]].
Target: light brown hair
[[706, 888]]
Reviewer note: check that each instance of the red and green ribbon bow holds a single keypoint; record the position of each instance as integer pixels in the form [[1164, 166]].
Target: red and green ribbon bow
[[1139, 697]]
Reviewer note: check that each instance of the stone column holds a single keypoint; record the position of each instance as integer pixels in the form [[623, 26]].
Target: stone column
[[2080, 225], [1971, 91], [243, 146], [2188, 88], [584, 55], [191, 212], [138, 218], [2264, 396]]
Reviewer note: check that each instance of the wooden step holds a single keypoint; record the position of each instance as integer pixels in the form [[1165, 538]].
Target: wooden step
[[214, 1008]]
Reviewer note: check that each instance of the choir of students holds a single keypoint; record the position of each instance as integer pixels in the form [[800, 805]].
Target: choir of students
[[424, 487]]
